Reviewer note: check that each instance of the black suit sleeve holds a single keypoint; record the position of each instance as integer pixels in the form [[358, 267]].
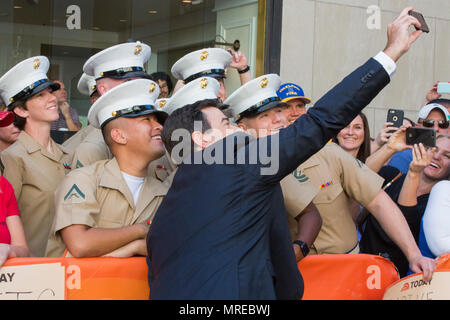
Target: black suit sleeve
[[334, 111]]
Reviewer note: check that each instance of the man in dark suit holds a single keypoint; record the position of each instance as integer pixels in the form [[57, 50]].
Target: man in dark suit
[[210, 237]]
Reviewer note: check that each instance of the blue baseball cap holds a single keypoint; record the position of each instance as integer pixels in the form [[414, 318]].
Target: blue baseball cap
[[290, 91]]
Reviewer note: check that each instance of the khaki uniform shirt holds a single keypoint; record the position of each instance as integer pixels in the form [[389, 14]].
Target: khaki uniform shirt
[[92, 149], [339, 177], [74, 141], [162, 168], [35, 174], [98, 196], [298, 192]]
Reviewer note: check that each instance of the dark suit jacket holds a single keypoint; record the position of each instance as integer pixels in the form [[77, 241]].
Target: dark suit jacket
[[221, 232]]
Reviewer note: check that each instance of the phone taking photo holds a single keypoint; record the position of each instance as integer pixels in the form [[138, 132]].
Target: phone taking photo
[[423, 24], [396, 117], [421, 135]]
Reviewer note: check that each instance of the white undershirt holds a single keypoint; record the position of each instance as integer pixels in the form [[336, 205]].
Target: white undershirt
[[134, 184]]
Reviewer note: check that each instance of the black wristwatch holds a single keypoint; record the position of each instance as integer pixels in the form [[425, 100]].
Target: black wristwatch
[[303, 246], [244, 70]]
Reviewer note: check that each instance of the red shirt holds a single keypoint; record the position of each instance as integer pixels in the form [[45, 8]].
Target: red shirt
[[8, 207]]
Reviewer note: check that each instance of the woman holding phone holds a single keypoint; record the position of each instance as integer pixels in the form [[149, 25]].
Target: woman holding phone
[[34, 164]]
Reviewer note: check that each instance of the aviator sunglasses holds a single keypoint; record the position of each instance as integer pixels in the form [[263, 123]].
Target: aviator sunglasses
[[443, 124]]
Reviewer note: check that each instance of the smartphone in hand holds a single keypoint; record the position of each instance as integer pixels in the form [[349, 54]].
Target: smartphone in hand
[[421, 135], [396, 117], [423, 24]]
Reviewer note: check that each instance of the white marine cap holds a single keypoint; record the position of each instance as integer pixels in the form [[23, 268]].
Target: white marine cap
[[425, 110], [254, 97], [130, 99], [26, 79], [161, 103], [210, 62], [199, 89], [87, 85], [121, 61]]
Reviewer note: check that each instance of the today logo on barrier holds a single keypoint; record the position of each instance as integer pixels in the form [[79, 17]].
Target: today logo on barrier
[[415, 288]]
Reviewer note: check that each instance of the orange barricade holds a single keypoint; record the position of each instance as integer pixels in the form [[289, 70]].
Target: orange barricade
[[326, 277], [346, 276], [98, 278], [444, 262]]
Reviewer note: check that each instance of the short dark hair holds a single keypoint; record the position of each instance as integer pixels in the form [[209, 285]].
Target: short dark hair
[[163, 76], [19, 122], [184, 118]]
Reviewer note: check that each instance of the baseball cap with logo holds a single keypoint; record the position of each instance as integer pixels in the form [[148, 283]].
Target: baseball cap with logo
[[290, 91]]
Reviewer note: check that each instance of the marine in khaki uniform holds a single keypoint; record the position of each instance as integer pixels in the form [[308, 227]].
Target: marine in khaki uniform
[[257, 109], [103, 209], [339, 177], [35, 164], [87, 86], [108, 69]]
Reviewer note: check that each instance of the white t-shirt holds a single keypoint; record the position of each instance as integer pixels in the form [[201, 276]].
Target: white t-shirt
[[134, 184]]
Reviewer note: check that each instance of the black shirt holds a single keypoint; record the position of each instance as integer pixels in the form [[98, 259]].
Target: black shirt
[[373, 238]]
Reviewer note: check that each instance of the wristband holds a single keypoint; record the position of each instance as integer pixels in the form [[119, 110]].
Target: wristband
[[246, 69], [303, 246]]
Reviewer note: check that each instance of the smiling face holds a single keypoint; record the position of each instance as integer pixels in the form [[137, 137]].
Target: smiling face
[[294, 109], [40, 108], [265, 123], [351, 137], [9, 134], [439, 168], [140, 136]]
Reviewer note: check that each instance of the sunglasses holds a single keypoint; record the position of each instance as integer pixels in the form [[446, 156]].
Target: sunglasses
[[430, 123]]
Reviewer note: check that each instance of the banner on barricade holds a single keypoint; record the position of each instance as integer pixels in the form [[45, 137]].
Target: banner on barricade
[[415, 288], [32, 282]]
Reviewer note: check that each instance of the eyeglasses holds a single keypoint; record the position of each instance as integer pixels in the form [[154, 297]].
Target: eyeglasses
[[430, 123]]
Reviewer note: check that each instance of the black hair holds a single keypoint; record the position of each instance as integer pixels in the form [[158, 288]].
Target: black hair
[[162, 76], [184, 118]]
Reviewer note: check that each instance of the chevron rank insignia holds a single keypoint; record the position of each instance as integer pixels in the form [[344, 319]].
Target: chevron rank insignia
[[74, 194], [360, 164], [301, 177]]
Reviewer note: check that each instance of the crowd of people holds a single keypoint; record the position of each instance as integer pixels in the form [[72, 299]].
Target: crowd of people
[[219, 230]]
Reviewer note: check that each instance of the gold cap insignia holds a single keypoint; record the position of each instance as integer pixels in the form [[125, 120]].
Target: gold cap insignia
[[93, 88], [152, 88], [264, 82], [138, 49], [11, 99], [114, 113], [204, 83], [36, 64], [162, 103], [204, 55]]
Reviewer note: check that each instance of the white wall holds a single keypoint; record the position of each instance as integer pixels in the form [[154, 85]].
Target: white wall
[[324, 40]]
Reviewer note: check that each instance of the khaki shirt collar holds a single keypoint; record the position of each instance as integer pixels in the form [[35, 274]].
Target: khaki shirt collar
[[112, 178], [33, 146], [311, 162]]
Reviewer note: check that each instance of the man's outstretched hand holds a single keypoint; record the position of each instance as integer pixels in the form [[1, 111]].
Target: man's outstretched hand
[[399, 37]]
